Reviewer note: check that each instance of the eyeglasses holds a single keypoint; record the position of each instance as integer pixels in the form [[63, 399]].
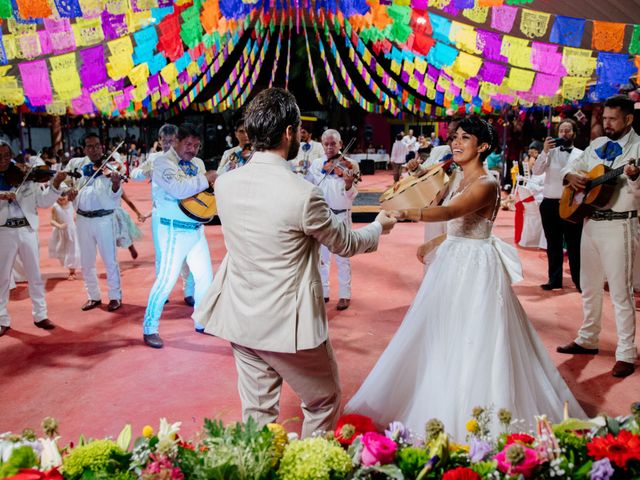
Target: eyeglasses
[[93, 146]]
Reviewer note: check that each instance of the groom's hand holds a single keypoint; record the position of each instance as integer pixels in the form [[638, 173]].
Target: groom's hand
[[386, 221]]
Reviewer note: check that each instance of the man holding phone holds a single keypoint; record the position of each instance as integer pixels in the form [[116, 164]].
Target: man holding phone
[[557, 153]]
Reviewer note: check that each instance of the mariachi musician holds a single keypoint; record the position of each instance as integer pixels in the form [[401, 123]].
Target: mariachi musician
[[98, 196], [19, 199], [178, 174], [240, 154], [336, 175]]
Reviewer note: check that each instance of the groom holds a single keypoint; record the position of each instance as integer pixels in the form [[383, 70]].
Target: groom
[[267, 297]]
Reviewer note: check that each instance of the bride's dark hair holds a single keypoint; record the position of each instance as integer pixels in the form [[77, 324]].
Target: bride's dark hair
[[484, 132]]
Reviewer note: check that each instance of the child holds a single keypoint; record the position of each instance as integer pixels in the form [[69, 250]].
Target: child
[[126, 229], [64, 239]]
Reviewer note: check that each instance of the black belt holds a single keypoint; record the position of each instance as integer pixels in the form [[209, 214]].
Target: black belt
[[338, 211], [95, 213], [16, 223], [599, 215]]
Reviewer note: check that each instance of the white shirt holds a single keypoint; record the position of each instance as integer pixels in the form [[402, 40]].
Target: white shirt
[[145, 169], [436, 156], [551, 165], [95, 193], [172, 184], [332, 186], [410, 141], [399, 152], [625, 197]]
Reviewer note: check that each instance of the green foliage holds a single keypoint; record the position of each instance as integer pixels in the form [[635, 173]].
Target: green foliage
[[314, 459], [235, 452], [21, 457], [379, 472], [93, 458], [411, 460]]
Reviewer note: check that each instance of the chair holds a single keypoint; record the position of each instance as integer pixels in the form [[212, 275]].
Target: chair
[[532, 234]]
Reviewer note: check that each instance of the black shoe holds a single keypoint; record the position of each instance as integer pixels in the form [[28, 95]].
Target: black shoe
[[574, 349], [326, 299], [549, 286], [114, 305], [90, 305], [153, 340], [4, 329], [190, 301], [622, 369], [45, 324], [200, 330]]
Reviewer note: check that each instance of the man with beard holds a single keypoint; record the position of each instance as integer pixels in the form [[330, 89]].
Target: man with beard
[[550, 163], [609, 236], [178, 174], [267, 296], [339, 192]]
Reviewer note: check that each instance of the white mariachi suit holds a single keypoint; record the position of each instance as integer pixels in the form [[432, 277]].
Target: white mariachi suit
[[179, 237], [307, 153], [340, 202], [140, 174], [607, 250], [95, 221], [19, 236]]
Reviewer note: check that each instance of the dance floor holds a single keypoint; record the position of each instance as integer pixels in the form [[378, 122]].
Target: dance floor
[[94, 374]]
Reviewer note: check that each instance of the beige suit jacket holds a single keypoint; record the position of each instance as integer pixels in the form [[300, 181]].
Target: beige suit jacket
[[267, 293]]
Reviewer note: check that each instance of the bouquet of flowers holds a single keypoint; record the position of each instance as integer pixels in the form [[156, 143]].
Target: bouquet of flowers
[[603, 448]]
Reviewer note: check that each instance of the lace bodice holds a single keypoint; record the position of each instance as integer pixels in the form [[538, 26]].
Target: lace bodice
[[473, 225]]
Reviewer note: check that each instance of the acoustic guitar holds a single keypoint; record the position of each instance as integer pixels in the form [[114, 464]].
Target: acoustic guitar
[[201, 207], [576, 205]]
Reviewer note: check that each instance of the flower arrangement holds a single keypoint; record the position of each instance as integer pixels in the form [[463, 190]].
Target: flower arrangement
[[603, 448]]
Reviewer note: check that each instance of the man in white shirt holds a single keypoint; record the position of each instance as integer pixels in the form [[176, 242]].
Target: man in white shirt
[[239, 155], [98, 197], [553, 159], [167, 139], [608, 242], [399, 152], [178, 174], [339, 192], [309, 151], [19, 236], [410, 141]]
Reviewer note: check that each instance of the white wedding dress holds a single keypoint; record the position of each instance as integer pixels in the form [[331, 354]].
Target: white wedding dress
[[465, 342]]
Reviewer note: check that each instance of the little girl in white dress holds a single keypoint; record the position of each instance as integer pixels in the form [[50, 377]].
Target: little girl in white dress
[[63, 243]]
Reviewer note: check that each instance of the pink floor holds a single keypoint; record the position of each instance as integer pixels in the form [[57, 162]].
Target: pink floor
[[94, 374]]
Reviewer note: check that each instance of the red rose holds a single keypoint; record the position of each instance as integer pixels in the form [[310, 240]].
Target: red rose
[[33, 474], [619, 450], [522, 438], [351, 425], [460, 473]]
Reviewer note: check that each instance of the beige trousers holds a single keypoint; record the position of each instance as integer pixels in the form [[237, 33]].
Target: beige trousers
[[312, 374], [607, 253]]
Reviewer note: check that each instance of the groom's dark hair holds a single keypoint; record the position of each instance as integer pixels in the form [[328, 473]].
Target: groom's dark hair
[[268, 116]]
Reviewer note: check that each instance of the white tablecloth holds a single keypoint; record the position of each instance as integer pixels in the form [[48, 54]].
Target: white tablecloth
[[376, 157]]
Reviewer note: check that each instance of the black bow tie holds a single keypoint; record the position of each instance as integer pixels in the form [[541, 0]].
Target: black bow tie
[[566, 149]]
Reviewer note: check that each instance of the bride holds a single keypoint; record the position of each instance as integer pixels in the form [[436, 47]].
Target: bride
[[466, 340]]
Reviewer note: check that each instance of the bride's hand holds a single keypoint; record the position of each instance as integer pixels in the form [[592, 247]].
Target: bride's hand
[[422, 252]]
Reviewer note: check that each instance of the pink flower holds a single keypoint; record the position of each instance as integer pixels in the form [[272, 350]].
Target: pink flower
[[523, 461], [377, 448]]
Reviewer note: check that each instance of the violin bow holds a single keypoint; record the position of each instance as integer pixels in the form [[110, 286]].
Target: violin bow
[[26, 175], [101, 166], [342, 154]]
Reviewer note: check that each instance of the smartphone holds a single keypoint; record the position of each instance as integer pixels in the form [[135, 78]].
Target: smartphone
[[560, 142]]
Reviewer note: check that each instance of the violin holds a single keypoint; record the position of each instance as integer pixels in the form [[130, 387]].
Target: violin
[[16, 175], [340, 165]]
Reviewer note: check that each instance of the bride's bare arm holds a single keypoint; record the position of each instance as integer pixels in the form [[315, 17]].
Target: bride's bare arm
[[477, 197]]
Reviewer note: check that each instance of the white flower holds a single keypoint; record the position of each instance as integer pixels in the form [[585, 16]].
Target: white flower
[[50, 455], [168, 430]]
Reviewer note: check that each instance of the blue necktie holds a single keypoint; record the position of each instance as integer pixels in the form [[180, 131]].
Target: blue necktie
[[88, 170], [4, 186], [188, 168], [609, 151]]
